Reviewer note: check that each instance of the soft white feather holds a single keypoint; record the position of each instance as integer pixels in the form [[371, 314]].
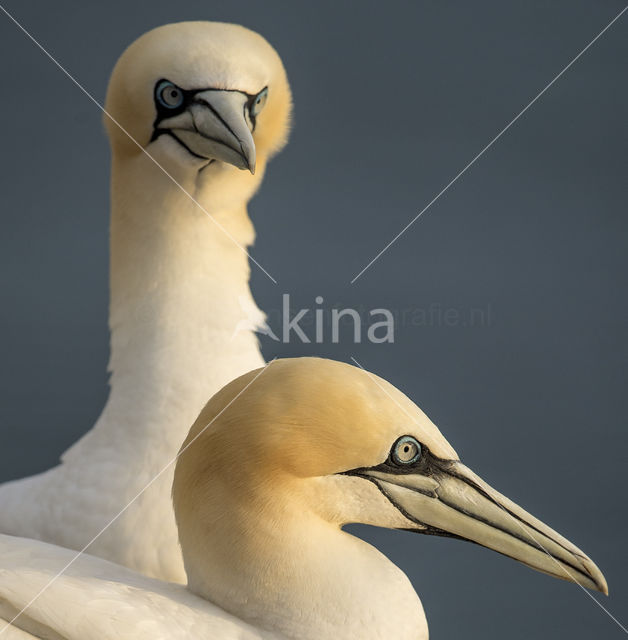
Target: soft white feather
[[274, 466], [97, 600], [179, 276]]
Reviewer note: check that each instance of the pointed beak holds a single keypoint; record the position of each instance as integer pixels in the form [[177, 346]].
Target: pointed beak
[[215, 125], [452, 501]]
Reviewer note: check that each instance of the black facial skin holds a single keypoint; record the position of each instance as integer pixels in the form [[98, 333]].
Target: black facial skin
[[438, 468], [427, 465], [164, 112]]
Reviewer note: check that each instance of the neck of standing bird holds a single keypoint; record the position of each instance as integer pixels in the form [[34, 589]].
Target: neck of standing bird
[[180, 305], [259, 551]]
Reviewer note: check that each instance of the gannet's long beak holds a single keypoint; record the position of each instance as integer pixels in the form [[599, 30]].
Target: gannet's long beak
[[449, 499], [214, 126]]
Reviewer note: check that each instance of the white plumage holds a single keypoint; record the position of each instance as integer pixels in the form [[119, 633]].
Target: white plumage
[[96, 599], [273, 468], [178, 279]]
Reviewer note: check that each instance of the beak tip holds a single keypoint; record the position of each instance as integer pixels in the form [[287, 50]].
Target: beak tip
[[602, 587], [597, 577], [250, 159]]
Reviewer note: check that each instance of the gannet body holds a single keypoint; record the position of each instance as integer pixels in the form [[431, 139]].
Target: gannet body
[[205, 100], [276, 464]]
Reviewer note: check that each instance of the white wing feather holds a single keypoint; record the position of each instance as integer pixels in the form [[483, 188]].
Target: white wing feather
[[98, 600]]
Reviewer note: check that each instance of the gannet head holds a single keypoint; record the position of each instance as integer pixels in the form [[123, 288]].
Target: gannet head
[[200, 93], [311, 439]]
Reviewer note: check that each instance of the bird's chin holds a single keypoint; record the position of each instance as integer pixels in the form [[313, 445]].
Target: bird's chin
[[206, 148]]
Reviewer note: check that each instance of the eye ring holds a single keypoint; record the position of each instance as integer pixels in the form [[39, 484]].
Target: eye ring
[[258, 102], [406, 451], [169, 95]]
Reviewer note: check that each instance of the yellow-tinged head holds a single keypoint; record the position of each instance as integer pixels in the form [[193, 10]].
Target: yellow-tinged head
[[201, 92], [311, 440], [308, 417]]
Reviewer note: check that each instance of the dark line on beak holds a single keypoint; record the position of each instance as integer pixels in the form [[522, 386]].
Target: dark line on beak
[[450, 470], [519, 537], [362, 473], [168, 132], [430, 530], [215, 112]]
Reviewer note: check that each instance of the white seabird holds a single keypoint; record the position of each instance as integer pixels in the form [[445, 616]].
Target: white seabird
[[276, 463], [210, 103]]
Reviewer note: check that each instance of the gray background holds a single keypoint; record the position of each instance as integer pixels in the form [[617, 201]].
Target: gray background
[[392, 100]]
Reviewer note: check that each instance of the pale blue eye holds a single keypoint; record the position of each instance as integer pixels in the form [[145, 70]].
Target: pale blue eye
[[169, 95], [407, 450], [259, 101]]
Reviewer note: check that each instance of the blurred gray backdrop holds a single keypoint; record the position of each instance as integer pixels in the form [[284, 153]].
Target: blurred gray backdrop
[[529, 248]]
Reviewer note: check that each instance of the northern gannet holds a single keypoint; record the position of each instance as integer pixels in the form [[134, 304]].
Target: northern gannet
[[210, 103], [276, 463]]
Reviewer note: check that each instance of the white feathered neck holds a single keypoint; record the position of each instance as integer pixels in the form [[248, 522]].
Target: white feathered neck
[[179, 288]]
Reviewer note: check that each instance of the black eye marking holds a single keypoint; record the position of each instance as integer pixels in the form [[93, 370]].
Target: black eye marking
[[407, 455], [255, 104], [258, 102], [171, 100]]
